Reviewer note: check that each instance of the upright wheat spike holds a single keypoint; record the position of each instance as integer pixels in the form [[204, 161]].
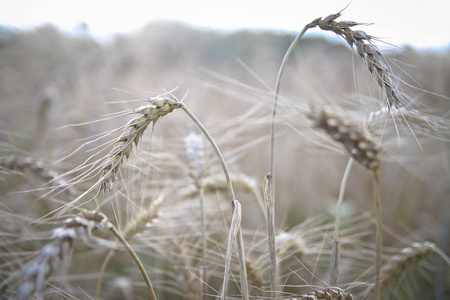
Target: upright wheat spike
[[158, 107]]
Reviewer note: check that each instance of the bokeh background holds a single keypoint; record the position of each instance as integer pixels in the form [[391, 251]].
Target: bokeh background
[[51, 76]]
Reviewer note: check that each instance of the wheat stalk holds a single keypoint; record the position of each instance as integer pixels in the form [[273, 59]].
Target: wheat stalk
[[235, 228], [137, 225], [375, 61], [365, 151]]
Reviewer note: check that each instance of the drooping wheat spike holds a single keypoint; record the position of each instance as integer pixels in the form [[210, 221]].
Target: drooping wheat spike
[[122, 147], [52, 256], [369, 53], [352, 136], [28, 164], [330, 293], [398, 264]]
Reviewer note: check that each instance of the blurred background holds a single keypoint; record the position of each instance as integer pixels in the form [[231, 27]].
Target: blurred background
[[63, 62]]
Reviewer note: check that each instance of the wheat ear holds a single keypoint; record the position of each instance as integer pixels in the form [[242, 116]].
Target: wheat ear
[[122, 147], [352, 136], [400, 263], [330, 293], [52, 255], [51, 258], [370, 54], [255, 276], [22, 164]]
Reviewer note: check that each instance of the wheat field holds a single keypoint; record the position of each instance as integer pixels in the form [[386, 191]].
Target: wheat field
[[187, 164]]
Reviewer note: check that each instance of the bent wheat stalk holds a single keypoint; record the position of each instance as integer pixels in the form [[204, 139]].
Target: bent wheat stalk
[[376, 63], [269, 189], [235, 227], [136, 226]]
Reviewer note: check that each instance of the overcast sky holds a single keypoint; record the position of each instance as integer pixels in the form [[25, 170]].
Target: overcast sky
[[421, 23]]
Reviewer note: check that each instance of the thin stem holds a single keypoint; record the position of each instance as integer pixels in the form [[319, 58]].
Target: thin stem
[[241, 255], [203, 267], [270, 174], [335, 254], [102, 272], [137, 261], [215, 147], [268, 195], [378, 233], [277, 89]]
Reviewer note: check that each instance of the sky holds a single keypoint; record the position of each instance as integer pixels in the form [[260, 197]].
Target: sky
[[420, 23]]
